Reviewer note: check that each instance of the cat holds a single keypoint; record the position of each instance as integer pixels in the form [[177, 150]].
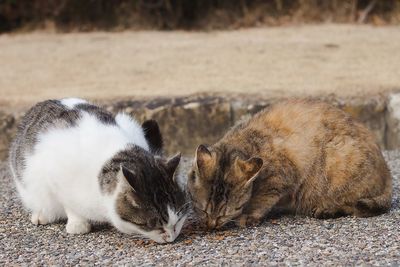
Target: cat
[[300, 155], [76, 161]]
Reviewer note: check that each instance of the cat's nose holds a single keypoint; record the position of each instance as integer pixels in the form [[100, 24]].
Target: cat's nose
[[168, 236], [219, 225], [211, 224]]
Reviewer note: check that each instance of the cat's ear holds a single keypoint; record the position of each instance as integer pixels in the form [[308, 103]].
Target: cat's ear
[[249, 169], [204, 159], [153, 136], [130, 177], [172, 164]]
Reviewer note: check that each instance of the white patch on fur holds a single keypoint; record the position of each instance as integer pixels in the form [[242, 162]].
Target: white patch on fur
[[76, 224], [172, 217], [38, 218], [62, 173], [78, 227], [174, 225], [72, 102], [132, 129]]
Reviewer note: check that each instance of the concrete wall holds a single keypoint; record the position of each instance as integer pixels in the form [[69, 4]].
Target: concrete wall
[[188, 121]]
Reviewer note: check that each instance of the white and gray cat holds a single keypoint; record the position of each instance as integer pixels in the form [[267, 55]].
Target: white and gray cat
[[71, 159]]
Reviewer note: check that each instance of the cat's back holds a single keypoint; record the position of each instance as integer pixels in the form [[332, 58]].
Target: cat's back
[[71, 131], [302, 128], [297, 113], [46, 115], [337, 156], [310, 120]]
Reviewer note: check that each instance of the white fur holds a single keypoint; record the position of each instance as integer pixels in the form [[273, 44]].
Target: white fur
[[61, 177], [174, 226], [72, 102], [132, 129]]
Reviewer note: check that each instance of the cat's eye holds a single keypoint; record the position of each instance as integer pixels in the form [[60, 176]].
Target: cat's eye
[[182, 210], [152, 223], [239, 208], [141, 224], [202, 212]]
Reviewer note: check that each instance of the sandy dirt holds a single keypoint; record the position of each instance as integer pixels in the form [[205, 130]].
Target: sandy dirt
[[310, 60]]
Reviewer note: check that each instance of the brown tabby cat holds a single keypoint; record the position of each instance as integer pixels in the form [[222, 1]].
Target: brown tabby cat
[[304, 156]]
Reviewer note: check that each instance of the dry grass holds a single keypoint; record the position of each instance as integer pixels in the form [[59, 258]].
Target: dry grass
[[85, 15]]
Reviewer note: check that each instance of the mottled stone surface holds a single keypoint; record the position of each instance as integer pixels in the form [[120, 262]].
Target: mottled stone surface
[[186, 122], [393, 121], [7, 131], [371, 111]]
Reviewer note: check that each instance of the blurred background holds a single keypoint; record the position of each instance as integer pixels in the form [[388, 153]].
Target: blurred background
[[87, 15], [198, 66]]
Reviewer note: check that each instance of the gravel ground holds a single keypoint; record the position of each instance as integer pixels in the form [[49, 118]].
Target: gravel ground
[[288, 240]]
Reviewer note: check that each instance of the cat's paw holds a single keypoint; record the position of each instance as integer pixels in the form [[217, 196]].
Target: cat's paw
[[248, 220], [321, 214], [78, 227], [38, 218], [328, 213], [241, 221]]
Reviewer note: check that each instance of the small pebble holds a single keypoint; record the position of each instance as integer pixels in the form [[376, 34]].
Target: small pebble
[[288, 240]]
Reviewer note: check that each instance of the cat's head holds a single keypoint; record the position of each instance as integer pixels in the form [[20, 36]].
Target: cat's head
[[149, 200], [220, 183]]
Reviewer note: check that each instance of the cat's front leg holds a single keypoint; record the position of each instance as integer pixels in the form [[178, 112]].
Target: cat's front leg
[[248, 220], [264, 198], [254, 218], [76, 224], [38, 218]]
